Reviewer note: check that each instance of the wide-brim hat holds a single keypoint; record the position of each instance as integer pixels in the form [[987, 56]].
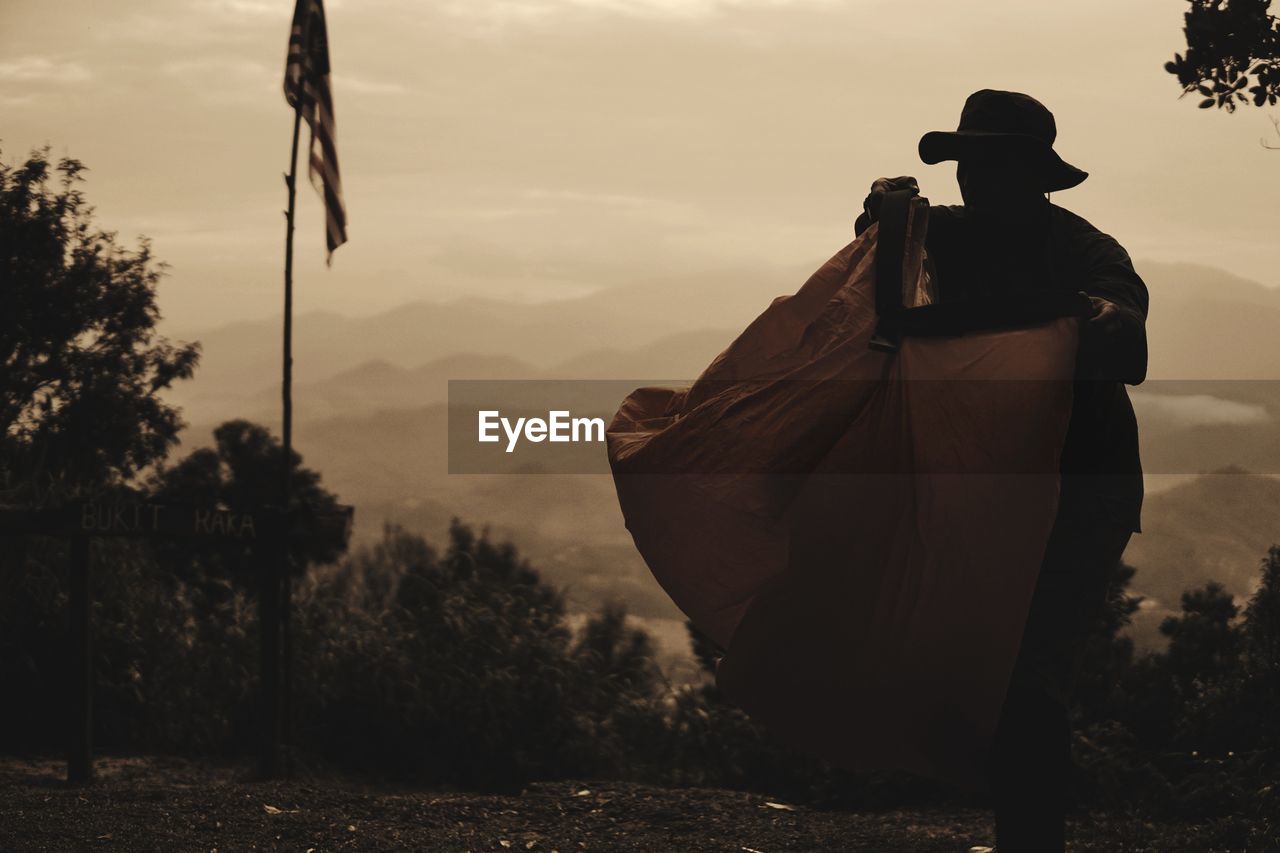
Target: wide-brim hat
[[1004, 124]]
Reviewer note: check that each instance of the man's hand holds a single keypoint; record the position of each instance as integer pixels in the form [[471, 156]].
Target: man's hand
[[1104, 321], [1113, 343], [875, 198]]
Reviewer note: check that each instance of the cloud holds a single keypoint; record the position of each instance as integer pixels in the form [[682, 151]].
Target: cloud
[[368, 86], [246, 10], [220, 65], [216, 73], [198, 23], [1193, 410], [516, 11], [610, 199], [253, 12], [656, 209], [42, 69], [163, 29], [227, 80], [16, 101]]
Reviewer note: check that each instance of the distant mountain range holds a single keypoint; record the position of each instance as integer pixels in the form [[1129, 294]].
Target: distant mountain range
[[1216, 527], [369, 397], [1204, 324], [1208, 324], [542, 334]]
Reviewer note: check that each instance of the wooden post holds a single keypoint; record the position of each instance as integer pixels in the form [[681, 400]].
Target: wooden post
[[80, 706], [269, 620], [286, 663]]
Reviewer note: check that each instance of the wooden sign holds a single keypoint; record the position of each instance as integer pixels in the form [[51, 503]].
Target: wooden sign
[[144, 519], [83, 520]]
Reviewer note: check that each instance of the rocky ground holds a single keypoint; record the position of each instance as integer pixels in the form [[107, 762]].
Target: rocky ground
[[173, 804]]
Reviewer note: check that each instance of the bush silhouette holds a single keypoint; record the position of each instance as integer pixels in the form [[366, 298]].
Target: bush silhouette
[[460, 667]]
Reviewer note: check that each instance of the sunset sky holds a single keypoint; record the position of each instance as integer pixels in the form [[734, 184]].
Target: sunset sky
[[530, 149]]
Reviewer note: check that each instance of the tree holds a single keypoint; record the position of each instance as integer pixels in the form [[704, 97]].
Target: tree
[[1230, 43], [1262, 620], [483, 689], [1202, 665], [80, 382], [1204, 642], [1107, 654], [242, 470], [1262, 637], [83, 364], [612, 652]]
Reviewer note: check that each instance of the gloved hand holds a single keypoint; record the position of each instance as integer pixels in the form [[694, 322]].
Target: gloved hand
[[871, 204]]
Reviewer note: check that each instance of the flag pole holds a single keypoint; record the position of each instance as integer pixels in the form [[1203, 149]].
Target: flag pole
[[306, 88], [276, 646]]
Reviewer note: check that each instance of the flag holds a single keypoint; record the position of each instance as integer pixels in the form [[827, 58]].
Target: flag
[[306, 81]]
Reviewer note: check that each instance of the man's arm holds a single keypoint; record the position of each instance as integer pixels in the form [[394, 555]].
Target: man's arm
[[1113, 342]]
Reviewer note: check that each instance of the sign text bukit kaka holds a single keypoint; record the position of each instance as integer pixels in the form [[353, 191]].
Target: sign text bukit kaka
[[125, 519]]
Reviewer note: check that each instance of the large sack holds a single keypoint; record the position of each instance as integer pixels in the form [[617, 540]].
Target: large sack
[[860, 529]]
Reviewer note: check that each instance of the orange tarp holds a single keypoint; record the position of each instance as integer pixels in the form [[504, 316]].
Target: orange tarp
[[861, 530]]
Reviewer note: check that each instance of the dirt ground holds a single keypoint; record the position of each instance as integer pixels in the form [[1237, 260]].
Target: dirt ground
[[174, 804]]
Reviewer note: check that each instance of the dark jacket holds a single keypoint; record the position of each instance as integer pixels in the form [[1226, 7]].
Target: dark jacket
[[1101, 470]]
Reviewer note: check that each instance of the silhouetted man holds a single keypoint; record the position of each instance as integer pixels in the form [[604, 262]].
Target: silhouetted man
[[1006, 237]]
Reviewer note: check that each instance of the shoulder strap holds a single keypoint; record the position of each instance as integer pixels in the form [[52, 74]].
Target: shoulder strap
[[891, 245]]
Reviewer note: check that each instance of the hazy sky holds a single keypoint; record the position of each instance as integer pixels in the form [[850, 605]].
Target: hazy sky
[[535, 148]]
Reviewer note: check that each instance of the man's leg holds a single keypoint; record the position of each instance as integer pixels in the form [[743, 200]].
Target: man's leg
[[1031, 756]]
